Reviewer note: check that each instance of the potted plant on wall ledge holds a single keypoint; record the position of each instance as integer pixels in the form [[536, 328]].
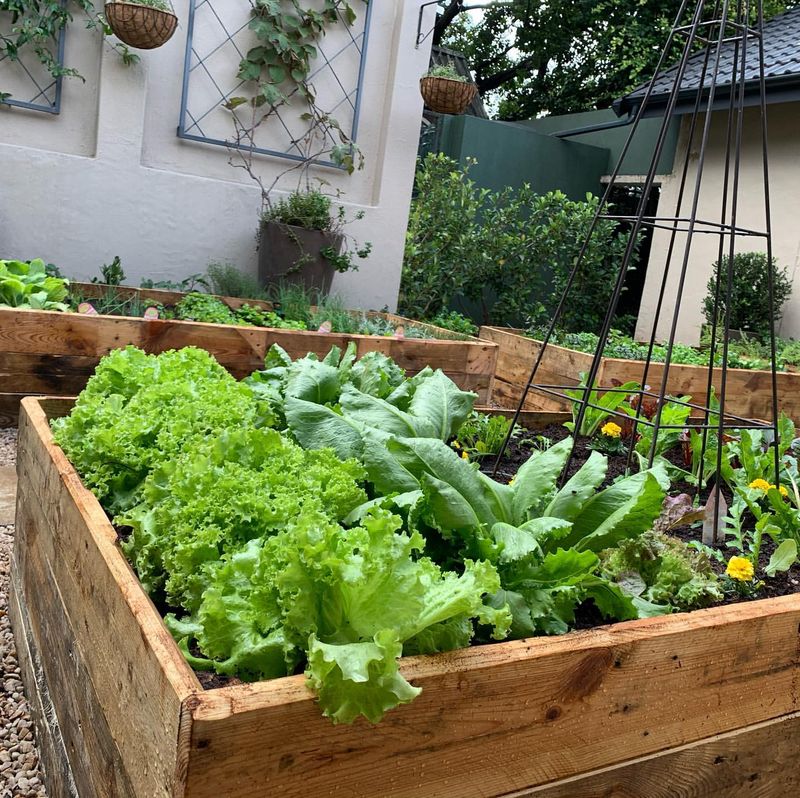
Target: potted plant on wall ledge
[[445, 91], [144, 24], [301, 240]]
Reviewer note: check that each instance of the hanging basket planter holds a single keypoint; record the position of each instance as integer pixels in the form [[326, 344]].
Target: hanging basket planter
[[446, 95], [140, 26]]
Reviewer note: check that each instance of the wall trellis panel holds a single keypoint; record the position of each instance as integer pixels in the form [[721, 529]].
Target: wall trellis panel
[[29, 83], [218, 38]]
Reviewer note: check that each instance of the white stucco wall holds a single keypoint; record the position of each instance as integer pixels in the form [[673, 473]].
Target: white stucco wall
[[784, 155], [110, 177]]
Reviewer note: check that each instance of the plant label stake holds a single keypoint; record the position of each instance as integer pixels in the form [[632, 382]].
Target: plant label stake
[[714, 533]]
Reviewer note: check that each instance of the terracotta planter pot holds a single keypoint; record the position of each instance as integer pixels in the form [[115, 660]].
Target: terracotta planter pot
[[292, 254]]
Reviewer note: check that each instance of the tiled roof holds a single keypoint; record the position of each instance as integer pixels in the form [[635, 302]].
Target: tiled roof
[[781, 61]]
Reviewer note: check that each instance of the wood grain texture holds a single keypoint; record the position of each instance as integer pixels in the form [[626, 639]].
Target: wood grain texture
[[492, 721], [757, 762], [511, 716], [135, 677], [515, 360], [50, 353], [53, 758], [748, 393], [92, 757]]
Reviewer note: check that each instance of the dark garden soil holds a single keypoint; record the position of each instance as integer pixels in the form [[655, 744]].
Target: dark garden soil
[[587, 615], [782, 584]]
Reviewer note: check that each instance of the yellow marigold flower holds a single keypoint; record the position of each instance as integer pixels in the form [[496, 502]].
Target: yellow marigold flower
[[781, 490], [464, 456], [760, 484], [611, 430], [456, 445], [740, 569]]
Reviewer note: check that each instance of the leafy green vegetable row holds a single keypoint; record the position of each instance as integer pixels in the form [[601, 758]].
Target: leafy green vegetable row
[[313, 517]]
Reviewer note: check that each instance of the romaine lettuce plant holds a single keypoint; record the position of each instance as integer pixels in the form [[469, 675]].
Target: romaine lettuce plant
[[543, 539]]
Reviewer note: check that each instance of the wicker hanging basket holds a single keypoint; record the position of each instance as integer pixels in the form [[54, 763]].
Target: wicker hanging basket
[[445, 95], [140, 26]]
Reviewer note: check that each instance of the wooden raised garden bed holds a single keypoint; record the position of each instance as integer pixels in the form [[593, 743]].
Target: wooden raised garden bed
[[701, 704], [749, 392], [51, 353]]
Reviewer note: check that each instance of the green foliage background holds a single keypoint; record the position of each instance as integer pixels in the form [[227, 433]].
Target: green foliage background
[[509, 251], [564, 56]]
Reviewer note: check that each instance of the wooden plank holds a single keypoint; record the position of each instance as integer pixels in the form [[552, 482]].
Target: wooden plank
[[94, 761], [44, 352], [9, 409], [53, 758], [515, 360], [748, 392], [506, 718], [511, 716], [758, 761], [138, 674]]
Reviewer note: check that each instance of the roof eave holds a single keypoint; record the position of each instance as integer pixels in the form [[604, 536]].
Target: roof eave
[[783, 88]]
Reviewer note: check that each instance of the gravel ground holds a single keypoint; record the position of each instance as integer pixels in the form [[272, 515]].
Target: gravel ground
[[19, 761]]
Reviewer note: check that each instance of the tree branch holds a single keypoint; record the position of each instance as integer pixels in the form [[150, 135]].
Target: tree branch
[[499, 78], [445, 19]]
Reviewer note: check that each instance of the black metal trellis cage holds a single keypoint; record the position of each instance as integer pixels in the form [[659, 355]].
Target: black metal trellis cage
[[702, 31]]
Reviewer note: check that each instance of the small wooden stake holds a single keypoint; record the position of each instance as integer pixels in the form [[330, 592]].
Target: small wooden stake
[[714, 536]]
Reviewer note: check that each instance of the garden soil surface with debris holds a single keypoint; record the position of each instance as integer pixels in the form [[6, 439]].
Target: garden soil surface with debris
[[782, 584], [19, 760]]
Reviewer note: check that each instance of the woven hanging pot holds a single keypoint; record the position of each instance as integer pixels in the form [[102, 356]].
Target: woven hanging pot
[[447, 96], [138, 26]]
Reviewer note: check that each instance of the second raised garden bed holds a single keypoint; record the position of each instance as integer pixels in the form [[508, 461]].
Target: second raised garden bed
[[46, 352], [749, 392], [704, 703]]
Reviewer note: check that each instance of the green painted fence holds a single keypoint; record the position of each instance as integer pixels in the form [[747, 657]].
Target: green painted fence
[[514, 153]]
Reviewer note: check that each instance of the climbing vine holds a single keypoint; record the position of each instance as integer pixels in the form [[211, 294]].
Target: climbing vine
[[36, 26], [280, 66]]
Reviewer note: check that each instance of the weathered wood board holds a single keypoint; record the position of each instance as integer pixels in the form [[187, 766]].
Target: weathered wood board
[[748, 392], [50, 353], [515, 358], [707, 698]]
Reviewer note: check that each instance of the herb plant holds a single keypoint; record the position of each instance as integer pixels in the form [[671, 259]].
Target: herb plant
[[447, 71], [455, 321], [111, 273], [482, 434], [205, 308]]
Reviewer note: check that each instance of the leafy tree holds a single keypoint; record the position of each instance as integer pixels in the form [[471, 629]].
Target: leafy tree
[[509, 251], [562, 56]]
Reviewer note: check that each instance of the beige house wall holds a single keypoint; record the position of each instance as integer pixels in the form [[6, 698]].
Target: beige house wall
[[784, 156], [109, 176]]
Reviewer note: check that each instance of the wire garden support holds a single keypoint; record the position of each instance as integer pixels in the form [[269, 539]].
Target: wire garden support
[[720, 25]]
